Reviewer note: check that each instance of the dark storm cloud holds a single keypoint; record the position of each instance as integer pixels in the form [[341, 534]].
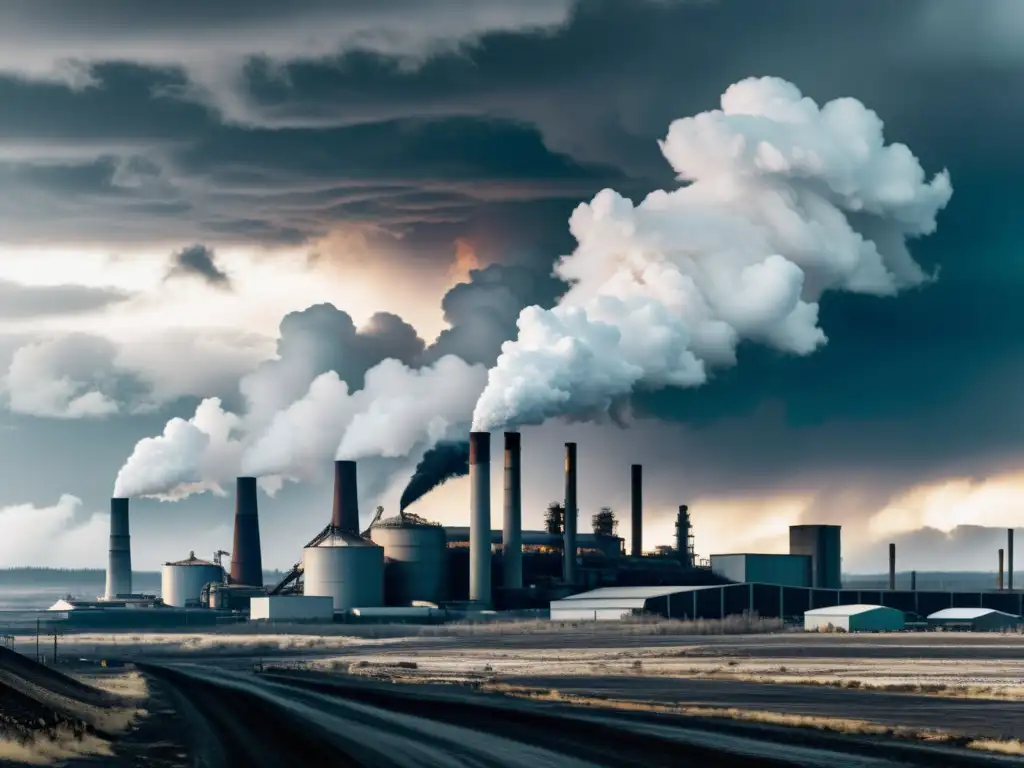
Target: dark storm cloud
[[198, 261], [19, 301]]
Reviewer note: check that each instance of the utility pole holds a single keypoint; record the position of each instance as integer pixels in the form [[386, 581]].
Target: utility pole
[[37, 641]]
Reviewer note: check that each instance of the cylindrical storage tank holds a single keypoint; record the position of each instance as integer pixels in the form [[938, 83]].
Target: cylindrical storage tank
[[347, 568], [417, 569], [182, 583]]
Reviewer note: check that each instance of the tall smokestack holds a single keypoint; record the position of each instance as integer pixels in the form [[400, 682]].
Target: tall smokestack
[[569, 542], [246, 560], [480, 517], [119, 562], [1009, 559], [512, 524], [345, 511], [683, 536], [892, 566], [913, 581], [999, 582], [637, 519]]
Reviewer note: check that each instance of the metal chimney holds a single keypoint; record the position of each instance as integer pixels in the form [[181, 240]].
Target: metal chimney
[[892, 566], [913, 581], [119, 562], [999, 582], [569, 541], [480, 518], [637, 519], [512, 523], [345, 511], [1009, 559], [683, 536], [246, 559]]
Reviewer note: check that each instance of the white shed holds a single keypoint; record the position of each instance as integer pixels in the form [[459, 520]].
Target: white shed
[[291, 608], [854, 618]]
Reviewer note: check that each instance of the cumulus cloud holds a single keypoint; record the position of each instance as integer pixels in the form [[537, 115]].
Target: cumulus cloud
[[767, 222], [201, 262], [54, 536]]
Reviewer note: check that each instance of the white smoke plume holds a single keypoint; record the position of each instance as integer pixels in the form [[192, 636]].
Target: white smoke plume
[[785, 201]]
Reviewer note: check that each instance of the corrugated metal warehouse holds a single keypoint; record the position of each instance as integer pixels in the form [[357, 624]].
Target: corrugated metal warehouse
[[772, 600], [973, 620], [786, 570], [854, 618]]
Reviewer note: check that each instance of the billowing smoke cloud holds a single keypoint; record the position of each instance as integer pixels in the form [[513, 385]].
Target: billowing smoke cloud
[[785, 201], [445, 461], [375, 393]]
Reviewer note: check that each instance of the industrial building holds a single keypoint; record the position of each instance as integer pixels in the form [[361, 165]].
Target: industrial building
[[854, 618], [784, 570], [974, 620], [300, 608], [182, 583]]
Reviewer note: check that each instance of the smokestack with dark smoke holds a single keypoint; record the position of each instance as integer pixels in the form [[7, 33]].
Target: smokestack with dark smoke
[[119, 562], [246, 557], [571, 515], [480, 518], [512, 522], [345, 510], [445, 461]]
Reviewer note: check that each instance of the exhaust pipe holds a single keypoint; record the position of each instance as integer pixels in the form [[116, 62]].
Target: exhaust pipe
[[569, 540], [913, 581], [892, 566], [512, 522], [119, 561], [1009, 559], [345, 511], [637, 519], [246, 559], [480, 518]]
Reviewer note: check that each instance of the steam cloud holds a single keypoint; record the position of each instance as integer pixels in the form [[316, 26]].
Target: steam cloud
[[444, 462], [783, 201], [786, 201]]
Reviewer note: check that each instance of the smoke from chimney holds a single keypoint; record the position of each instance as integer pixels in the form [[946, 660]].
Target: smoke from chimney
[[119, 562], [571, 515], [512, 522], [246, 558], [636, 487], [480, 518], [345, 510]]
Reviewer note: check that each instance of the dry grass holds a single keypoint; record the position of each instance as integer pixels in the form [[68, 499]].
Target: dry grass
[[46, 751], [745, 624], [1010, 747]]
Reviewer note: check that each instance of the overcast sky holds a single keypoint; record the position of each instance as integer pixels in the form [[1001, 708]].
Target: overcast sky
[[175, 179]]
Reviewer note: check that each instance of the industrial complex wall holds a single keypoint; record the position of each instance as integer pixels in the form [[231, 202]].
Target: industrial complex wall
[[775, 601]]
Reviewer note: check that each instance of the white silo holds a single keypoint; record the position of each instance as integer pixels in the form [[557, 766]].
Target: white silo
[[417, 567], [339, 563], [181, 583]]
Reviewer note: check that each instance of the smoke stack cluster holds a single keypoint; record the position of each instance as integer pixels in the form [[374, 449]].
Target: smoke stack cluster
[[246, 558], [569, 541], [119, 562], [512, 523], [480, 518], [637, 519], [345, 510], [892, 566]]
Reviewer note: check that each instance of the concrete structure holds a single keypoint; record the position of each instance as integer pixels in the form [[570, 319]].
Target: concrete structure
[[480, 518], [291, 608], [822, 544], [785, 570], [346, 568], [182, 582], [973, 620], [571, 516], [512, 521], [636, 478], [854, 618], [414, 551], [246, 556], [119, 561]]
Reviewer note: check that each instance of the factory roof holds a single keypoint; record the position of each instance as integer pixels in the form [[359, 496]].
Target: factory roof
[[967, 614], [633, 593], [845, 610]]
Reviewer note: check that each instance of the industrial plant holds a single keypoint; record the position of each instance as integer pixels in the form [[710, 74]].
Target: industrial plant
[[408, 568]]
